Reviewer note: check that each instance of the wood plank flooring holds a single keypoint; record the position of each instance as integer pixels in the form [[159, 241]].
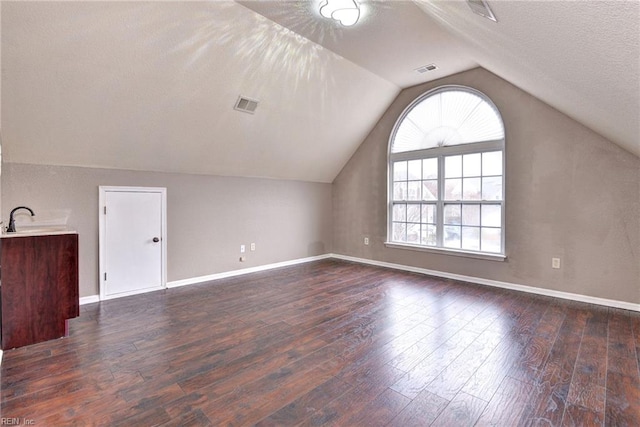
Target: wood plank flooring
[[332, 343]]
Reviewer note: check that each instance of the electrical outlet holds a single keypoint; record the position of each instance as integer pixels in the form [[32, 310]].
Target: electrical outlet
[[253, 246], [555, 262], [366, 240], [243, 259], [242, 249]]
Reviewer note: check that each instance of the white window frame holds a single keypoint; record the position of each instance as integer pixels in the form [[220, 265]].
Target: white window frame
[[441, 153]]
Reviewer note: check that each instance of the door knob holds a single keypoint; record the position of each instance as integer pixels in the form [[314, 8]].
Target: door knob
[[156, 240]]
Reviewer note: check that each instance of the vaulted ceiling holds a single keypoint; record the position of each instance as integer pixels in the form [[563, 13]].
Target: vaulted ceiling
[[152, 85]]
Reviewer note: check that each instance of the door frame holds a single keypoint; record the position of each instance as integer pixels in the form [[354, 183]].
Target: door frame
[[102, 196]]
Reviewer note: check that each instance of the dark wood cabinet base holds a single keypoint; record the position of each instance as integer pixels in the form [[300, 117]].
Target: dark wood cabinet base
[[39, 287]]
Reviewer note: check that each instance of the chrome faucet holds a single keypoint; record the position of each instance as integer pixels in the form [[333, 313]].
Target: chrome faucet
[[12, 223]]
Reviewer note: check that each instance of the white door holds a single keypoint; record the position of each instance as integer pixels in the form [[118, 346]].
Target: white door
[[132, 244]]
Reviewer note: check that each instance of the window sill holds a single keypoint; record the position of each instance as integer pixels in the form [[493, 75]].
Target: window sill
[[446, 251]]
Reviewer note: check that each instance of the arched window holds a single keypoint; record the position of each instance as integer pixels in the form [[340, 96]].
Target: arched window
[[446, 174]]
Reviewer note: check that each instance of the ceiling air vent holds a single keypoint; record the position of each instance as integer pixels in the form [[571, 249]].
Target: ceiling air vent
[[246, 105], [426, 68], [481, 7]]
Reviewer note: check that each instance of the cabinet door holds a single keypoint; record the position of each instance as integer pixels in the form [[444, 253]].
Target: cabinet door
[[39, 287]]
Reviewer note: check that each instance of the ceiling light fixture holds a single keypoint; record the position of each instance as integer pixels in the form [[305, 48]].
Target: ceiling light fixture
[[347, 12], [481, 7]]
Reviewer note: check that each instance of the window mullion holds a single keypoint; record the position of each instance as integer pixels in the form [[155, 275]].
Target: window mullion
[[440, 203]]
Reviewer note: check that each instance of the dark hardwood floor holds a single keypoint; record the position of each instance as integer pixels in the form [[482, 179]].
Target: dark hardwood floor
[[332, 343]]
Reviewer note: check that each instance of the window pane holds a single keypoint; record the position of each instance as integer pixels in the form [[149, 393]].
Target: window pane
[[471, 215], [453, 189], [452, 166], [399, 191], [429, 214], [451, 236], [414, 190], [471, 238], [399, 232], [399, 212], [450, 198], [430, 168], [400, 171], [430, 190], [413, 233], [491, 239], [471, 189], [471, 164], [492, 188], [492, 216], [413, 213], [452, 214], [450, 117], [429, 235], [492, 163], [415, 169]]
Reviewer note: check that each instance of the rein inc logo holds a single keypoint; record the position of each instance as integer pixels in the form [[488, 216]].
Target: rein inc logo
[[5, 421]]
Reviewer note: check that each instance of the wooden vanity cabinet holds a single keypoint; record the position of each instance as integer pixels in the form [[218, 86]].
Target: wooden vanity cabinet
[[39, 287]]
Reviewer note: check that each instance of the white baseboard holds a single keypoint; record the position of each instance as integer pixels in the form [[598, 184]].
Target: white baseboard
[[201, 279], [506, 285], [90, 299], [223, 275], [488, 282]]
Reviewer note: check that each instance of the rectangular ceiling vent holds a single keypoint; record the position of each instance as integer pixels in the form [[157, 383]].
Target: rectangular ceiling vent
[[481, 7], [426, 68], [246, 105]]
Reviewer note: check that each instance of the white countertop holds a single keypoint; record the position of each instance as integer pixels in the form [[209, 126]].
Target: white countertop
[[37, 232]]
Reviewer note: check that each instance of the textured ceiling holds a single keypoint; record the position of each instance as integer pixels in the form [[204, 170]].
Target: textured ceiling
[[391, 39], [151, 85], [581, 57]]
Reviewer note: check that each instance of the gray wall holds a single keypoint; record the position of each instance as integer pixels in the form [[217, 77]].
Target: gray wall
[[209, 217], [570, 194]]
